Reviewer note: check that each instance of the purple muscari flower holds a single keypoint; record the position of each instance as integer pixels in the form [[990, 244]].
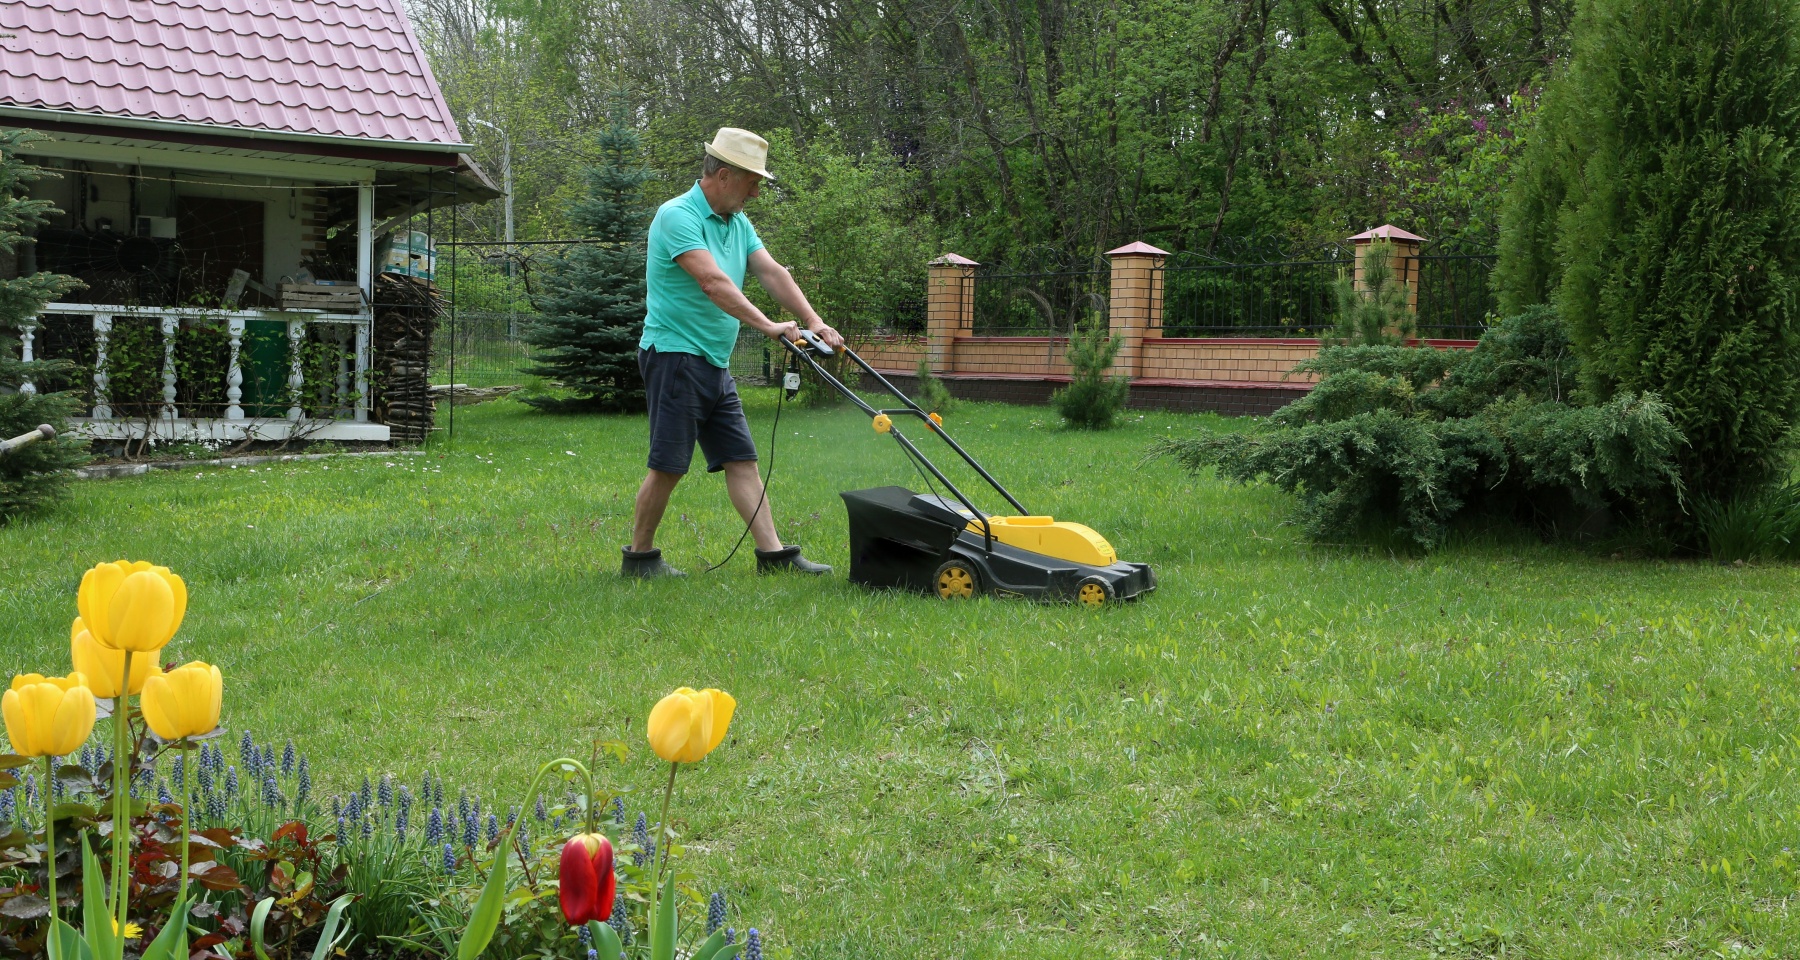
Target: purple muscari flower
[[715, 912], [619, 811], [400, 818], [163, 796], [268, 757], [247, 754], [368, 828], [434, 826], [512, 816], [353, 807], [592, 953], [385, 793], [9, 803], [231, 782], [730, 935], [177, 768], [425, 787], [640, 835], [367, 793], [493, 828], [619, 921], [303, 787], [207, 781], [271, 791], [471, 831], [541, 813], [584, 934], [449, 859], [343, 835], [287, 758], [215, 807], [752, 945]]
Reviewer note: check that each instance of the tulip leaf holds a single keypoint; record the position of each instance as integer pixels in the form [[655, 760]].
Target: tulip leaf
[[662, 927], [96, 916], [13, 761], [258, 920], [713, 945], [171, 943], [485, 918], [730, 951], [606, 941], [65, 943], [330, 933]]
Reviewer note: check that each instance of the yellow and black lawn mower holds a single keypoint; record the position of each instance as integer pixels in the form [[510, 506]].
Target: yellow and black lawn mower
[[945, 544]]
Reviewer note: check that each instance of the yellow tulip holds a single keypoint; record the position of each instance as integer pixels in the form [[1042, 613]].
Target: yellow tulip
[[183, 702], [686, 725], [102, 667], [132, 606], [48, 716]]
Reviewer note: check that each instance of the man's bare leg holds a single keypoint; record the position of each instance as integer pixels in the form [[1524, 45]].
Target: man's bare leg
[[652, 500], [746, 489]]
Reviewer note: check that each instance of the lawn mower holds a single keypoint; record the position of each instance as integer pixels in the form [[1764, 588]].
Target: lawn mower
[[944, 544]]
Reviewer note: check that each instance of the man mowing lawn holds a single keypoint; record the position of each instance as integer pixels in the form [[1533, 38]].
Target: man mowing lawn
[[699, 246]]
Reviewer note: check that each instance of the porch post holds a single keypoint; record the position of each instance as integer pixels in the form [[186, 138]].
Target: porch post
[[234, 373], [365, 243], [169, 326], [27, 334], [296, 331], [102, 333], [362, 372]]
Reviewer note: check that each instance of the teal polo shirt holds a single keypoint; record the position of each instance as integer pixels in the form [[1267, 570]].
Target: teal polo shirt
[[679, 318]]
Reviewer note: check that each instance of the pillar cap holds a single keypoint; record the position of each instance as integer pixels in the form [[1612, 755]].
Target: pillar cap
[[1137, 248], [953, 260], [1386, 231]]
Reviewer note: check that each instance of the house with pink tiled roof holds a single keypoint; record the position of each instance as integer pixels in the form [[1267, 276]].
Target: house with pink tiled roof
[[228, 174]]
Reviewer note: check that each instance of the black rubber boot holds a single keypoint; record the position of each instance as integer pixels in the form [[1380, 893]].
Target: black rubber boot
[[787, 558], [646, 565]]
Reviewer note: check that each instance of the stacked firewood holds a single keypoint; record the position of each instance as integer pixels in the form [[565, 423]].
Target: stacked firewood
[[406, 315]]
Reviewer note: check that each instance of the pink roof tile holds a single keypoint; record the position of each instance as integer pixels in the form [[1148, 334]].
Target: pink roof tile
[[348, 68]]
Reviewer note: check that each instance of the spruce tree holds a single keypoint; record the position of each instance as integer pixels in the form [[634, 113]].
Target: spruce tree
[[1667, 174], [593, 305], [34, 474]]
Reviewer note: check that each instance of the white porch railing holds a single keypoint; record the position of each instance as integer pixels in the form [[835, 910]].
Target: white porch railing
[[348, 396]]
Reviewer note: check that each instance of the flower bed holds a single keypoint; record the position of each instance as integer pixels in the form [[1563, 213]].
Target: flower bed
[[237, 843]]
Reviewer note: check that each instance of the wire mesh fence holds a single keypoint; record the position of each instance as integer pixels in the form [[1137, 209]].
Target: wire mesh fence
[[496, 288], [1041, 298]]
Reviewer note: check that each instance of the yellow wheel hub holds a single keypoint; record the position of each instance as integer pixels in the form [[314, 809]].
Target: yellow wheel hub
[[1093, 594], [955, 583]]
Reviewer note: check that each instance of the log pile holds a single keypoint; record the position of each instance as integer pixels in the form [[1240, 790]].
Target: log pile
[[406, 316]]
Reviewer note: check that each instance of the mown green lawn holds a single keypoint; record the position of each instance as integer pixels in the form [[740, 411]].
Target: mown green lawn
[[1500, 748]]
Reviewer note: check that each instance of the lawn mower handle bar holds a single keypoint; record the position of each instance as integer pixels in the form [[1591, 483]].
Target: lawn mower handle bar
[[43, 432], [800, 348]]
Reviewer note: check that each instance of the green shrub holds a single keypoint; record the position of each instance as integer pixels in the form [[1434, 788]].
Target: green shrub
[[1412, 438], [931, 392], [1375, 310], [1093, 398], [1759, 526], [1658, 208], [37, 474]]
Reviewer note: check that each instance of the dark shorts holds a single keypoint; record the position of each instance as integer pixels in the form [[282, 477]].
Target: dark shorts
[[693, 401]]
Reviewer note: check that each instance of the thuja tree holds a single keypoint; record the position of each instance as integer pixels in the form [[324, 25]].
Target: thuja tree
[[37, 473], [593, 307], [1660, 212]]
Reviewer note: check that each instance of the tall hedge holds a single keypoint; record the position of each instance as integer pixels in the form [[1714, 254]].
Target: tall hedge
[[1659, 210]]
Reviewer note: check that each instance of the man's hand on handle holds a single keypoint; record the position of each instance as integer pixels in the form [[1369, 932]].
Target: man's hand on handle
[[783, 331], [832, 338]]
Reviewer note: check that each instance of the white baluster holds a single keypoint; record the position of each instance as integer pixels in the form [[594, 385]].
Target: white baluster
[[102, 333], [27, 334], [362, 372], [234, 374], [342, 397], [169, 326], [296, 378]]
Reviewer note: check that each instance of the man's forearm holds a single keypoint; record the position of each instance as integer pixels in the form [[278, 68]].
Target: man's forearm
[[727, 297]]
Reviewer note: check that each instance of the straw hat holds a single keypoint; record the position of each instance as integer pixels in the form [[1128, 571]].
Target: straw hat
[[741, 149]]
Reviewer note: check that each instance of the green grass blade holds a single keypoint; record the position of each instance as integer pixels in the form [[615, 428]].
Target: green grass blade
[[96, 918], [485, 918]]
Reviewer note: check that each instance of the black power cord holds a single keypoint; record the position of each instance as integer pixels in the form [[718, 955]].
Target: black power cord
[[768, 475]]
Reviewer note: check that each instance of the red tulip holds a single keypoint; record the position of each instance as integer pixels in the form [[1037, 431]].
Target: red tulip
[[588, 882]]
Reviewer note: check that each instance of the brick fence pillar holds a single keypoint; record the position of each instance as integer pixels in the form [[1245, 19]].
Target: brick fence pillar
[[1405, 263], [1136, 301], [949, 308]]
